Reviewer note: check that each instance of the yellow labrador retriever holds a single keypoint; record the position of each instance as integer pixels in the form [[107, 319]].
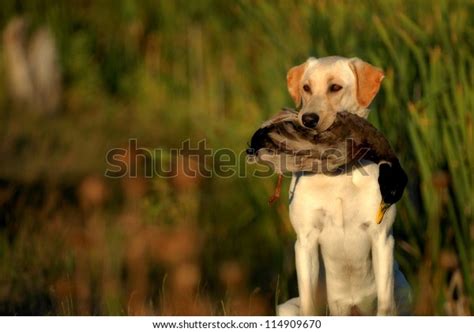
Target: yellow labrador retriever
[[334, 217]]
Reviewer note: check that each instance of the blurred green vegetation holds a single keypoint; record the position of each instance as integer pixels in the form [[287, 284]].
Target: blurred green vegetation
[[75, 242]]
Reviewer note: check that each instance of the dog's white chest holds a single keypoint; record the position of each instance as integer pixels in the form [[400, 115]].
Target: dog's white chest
[[335, 204], [340, 211], [343, 212]]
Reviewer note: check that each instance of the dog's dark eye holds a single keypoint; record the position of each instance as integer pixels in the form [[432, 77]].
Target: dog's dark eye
[[307, 88], [335, 87]]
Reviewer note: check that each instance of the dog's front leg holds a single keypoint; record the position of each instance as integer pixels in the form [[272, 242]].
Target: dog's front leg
[[382, 256], [307, 269]]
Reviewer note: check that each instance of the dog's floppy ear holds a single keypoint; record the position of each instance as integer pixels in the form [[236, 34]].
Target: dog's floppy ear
[[368, 79], [293, 79]]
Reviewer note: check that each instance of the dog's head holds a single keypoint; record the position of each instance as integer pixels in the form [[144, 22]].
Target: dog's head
[[323, 87]]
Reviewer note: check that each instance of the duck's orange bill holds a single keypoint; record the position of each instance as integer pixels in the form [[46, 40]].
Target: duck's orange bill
[[381, 212]]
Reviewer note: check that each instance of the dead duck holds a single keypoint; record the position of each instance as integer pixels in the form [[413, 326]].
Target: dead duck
[[286, 146]]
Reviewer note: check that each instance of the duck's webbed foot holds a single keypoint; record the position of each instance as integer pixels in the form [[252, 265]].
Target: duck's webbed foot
[[277, 192]]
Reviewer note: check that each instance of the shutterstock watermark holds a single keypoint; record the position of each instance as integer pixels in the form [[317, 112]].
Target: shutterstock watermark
[[199, 160]]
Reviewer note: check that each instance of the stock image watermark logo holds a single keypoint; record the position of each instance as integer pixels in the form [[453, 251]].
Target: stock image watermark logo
[[199, 160]]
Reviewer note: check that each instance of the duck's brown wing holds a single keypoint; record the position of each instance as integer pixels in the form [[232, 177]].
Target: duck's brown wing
[[285, 115], [288, 147], [371, 144], [366, 141]]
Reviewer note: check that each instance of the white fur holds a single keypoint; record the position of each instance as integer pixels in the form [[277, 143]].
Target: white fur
[[335, 217]]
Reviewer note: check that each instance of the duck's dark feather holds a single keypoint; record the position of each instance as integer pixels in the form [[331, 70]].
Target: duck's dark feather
[[289, 147]]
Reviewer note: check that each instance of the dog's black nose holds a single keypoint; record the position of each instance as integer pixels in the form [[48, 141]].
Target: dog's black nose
[[310, 120]]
